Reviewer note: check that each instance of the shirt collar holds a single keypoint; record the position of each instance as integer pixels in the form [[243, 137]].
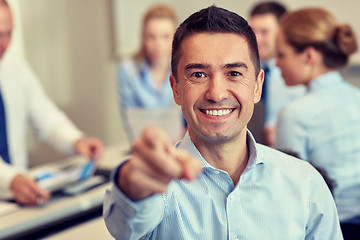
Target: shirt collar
[[329, 79], [254, 158], [189, 146]]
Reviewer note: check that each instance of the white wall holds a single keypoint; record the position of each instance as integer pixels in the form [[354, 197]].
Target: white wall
[[71, 46], [346, 11]]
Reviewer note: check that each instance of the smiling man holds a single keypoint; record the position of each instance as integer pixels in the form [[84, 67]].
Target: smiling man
[[217, 183]]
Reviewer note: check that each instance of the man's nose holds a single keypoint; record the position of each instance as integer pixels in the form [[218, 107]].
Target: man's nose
[[217, 89]]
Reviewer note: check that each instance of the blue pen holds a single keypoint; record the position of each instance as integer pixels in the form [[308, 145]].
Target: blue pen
[[88, 169], [44, 176]]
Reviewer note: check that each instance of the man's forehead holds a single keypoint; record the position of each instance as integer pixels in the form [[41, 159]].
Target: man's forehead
[[205, 47]]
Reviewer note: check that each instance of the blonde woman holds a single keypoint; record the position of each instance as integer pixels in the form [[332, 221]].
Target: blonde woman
[[143, 81], [322, 127]]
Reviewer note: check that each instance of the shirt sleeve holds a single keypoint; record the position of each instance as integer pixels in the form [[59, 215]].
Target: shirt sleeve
[[50, 123], [126, 219], [290, 133], [323, 222]]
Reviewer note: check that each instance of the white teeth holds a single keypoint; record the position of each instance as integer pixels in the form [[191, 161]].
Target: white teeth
[[217, 112]]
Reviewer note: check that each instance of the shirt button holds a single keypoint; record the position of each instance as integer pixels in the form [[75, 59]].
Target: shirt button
[[231, 198]]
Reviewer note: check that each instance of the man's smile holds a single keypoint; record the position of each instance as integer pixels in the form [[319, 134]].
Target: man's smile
[[217, 112]]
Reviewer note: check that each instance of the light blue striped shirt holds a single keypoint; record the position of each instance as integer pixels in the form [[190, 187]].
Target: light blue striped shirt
[[277, 197], [323, 127]]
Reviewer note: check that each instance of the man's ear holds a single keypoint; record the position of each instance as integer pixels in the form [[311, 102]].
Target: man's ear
[[174, 87], [258, 86]]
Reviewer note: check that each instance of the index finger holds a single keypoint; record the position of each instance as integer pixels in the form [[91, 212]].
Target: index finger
[[156, 138]]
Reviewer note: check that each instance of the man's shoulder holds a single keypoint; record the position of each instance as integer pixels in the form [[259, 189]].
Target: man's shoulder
[[286, 163], [270, 154], [14, 61], [16, 70], [294, 172]]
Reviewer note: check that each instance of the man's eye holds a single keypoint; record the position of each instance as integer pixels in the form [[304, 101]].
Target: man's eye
[[198, 75], [234, 74]]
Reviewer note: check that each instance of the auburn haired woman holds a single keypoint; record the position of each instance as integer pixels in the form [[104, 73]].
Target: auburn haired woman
[[143, 81], [322, 127]]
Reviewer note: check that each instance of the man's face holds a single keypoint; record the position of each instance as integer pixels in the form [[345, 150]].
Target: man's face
[[265, 27], [217, 86], [5, 29]]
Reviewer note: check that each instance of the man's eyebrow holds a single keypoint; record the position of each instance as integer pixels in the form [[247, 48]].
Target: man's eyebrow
[[236, 65], [196, 66]]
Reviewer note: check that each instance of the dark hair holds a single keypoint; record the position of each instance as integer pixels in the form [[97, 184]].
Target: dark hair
[[214, 20], [274, 8]]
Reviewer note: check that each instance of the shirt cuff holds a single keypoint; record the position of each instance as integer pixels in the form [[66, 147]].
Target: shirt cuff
[[129, 207]]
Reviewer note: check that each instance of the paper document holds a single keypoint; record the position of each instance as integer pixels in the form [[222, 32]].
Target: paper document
[[54, 180], [7, 207]]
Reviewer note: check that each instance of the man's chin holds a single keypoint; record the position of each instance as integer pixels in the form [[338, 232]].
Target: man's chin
[[216, 137]]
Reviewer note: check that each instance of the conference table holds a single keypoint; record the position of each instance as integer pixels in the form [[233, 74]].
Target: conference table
[[91, 229], [65, 214]]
